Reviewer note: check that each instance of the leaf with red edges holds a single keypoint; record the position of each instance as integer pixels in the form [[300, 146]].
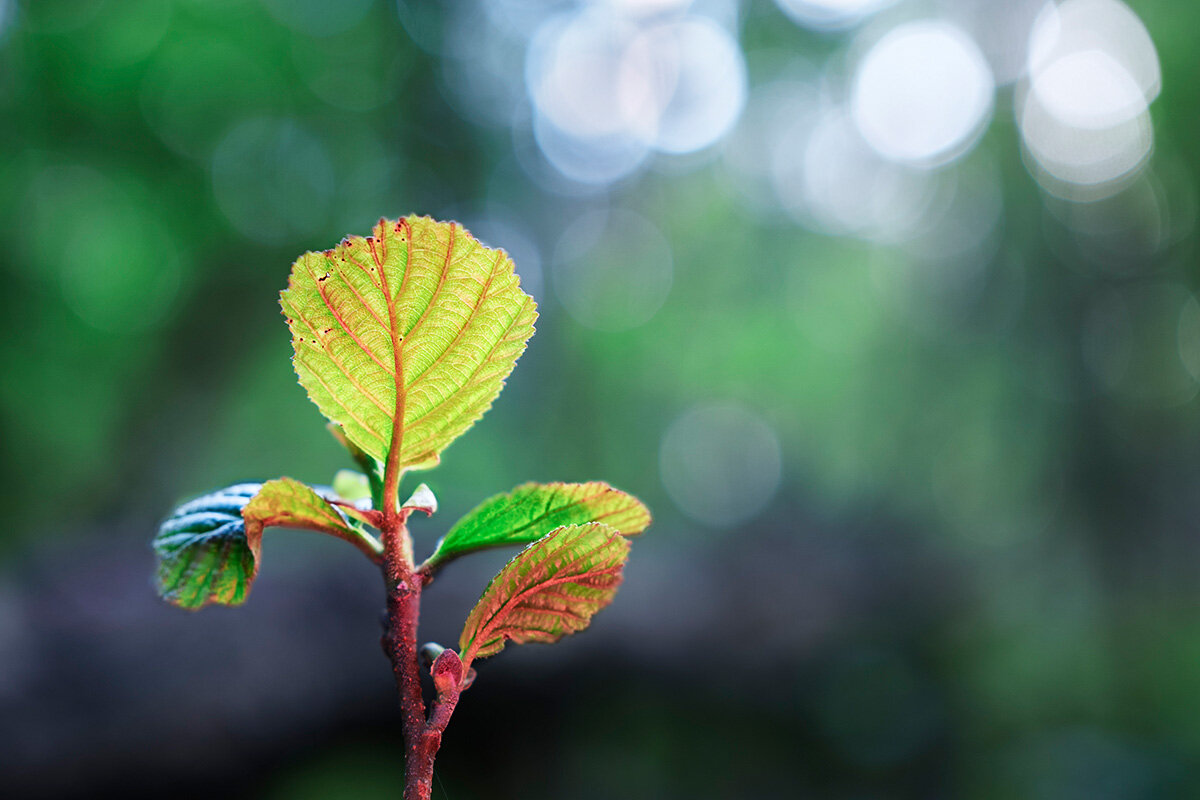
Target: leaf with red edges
[[550, 589], [405, 337], [209, 548], [532, 510], [288, 503]]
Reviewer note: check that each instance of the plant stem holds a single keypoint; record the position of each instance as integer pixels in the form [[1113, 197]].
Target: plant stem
[[422, 737]]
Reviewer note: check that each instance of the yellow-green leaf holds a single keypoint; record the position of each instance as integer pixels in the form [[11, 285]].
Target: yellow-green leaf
[[351, 486], [288, 503], [405, 337], [532, 510], [548, 590]]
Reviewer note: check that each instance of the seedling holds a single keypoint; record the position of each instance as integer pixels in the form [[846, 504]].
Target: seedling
[[403, 339]]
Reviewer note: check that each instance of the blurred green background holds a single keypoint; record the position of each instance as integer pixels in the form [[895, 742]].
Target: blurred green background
[[886, 309]]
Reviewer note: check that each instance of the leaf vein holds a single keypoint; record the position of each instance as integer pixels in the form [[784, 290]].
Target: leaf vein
[[346, 325]]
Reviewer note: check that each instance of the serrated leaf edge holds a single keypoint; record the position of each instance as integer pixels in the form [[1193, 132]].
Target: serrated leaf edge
[[470, 647], [441, 556]]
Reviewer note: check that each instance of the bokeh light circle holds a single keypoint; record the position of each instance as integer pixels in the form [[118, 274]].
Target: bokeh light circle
[[695, 75], [922, 93], [1107, 26], [319, 17], [1089, 90], [1084, 163], [1084, 115], [505, 233], [195, 87], [831, 15], [572, 72], [720, 463], [827, 177], [273, 179], [607, 89], [592, 160], [1137, 343], [117, 265], [612, 269]]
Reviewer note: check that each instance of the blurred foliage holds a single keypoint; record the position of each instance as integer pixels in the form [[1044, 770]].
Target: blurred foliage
[[1020, 420]]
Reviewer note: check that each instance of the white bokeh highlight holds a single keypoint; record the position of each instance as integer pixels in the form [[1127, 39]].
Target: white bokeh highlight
[[1090, 90], [1001, 29], [1108, 26], [694, 72], [1084, 113], [829, 179], [922, 93], [592, 160], [831, 15], [610, 85]]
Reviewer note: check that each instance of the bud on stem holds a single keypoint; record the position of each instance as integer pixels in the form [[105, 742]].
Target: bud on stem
[[447, 671]]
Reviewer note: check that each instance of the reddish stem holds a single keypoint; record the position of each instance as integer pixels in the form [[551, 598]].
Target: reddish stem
[[422, 737]]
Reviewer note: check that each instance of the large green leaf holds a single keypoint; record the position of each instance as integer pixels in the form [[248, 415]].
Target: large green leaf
[[209, 548], [529, 512], [550, 589], [406, 335]]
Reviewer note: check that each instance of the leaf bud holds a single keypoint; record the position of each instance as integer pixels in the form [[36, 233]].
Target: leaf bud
[[447, 671]]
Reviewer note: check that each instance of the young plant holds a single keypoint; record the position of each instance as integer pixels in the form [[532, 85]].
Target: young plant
[[403, 339]]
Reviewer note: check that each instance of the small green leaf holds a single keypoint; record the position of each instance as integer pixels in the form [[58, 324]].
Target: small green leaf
[[351, 486], [550, 589], [405, 337], [209, 548], [290, 504], [203, 555], [529, 512]]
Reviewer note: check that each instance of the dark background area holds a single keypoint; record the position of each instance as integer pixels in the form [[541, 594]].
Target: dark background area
[[886, 309]]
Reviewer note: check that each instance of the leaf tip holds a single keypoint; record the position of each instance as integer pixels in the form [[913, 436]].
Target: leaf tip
[[422, 499]]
